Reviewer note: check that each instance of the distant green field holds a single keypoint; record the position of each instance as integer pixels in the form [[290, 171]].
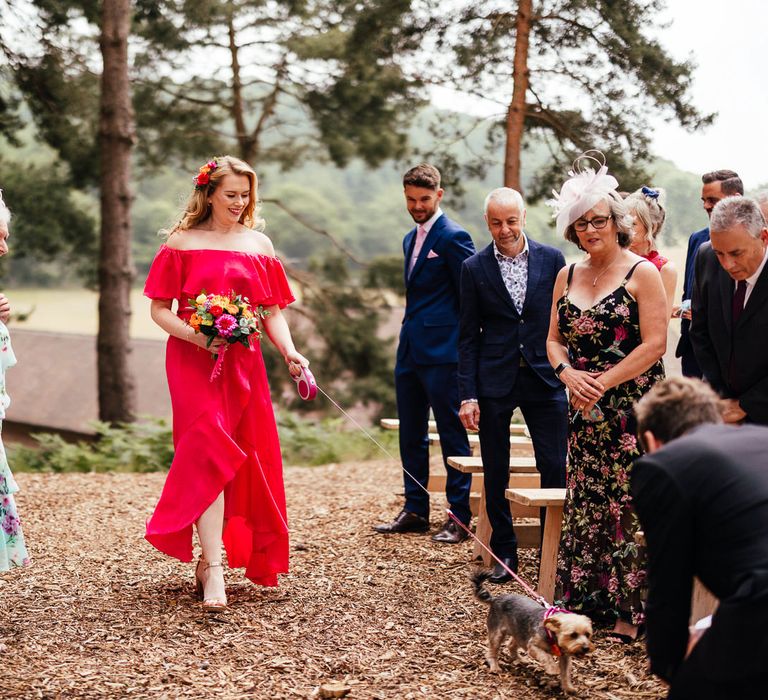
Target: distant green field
[[74, 311]]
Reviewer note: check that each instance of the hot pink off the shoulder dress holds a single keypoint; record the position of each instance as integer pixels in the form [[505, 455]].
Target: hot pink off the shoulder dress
[[224, 431]]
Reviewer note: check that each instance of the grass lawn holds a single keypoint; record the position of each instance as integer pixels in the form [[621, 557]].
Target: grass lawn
[[74, 311]]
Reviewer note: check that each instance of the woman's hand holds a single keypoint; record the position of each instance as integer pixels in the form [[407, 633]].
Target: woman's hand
[[201, 340], [5, 308], [584, 388], [295, 362]]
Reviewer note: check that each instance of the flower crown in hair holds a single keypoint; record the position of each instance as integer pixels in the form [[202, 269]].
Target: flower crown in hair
[[584, 188], [204, 176]]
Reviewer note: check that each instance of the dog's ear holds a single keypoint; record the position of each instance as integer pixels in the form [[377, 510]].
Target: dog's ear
[[552, 623]]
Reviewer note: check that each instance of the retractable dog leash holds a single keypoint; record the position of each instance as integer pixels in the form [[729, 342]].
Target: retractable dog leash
[[308, 390]]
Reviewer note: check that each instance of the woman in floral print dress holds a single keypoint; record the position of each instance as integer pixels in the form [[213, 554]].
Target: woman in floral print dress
[[607, 335], [12, 549]]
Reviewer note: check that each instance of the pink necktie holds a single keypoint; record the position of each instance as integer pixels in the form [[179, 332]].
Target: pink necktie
[[421, 234]]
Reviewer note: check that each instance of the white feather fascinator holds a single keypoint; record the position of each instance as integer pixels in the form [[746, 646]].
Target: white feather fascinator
[[585, 187]]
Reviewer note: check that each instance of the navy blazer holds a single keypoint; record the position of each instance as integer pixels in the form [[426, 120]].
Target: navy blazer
[[430, 329], [714, 338], [694, 243], [493, 336]]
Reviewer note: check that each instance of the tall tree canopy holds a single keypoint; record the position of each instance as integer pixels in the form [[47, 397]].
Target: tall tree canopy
[[579, 74]]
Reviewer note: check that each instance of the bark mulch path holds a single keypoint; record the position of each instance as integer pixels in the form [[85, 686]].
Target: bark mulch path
[[101, 614]]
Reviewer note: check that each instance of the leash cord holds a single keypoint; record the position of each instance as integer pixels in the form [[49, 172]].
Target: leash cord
[[532, 593]]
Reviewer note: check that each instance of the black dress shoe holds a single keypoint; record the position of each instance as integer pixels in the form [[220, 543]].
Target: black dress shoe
[[500, 574], [404, 522], [450, 533]]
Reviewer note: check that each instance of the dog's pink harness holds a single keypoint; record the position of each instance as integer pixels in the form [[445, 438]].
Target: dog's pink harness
[[551, 638]]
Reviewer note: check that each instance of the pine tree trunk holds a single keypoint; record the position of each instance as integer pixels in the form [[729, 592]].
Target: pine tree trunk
[[117, 393], [516, 111]]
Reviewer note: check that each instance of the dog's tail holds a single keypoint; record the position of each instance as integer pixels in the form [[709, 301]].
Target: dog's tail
[[479, 578]]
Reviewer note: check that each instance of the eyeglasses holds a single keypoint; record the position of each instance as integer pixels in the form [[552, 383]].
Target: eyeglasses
[[597, 222]]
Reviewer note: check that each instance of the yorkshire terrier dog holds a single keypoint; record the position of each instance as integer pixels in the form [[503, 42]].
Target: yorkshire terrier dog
[[527, 625]]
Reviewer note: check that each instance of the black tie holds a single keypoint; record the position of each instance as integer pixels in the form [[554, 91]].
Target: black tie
[[738, 300], [737, 308]]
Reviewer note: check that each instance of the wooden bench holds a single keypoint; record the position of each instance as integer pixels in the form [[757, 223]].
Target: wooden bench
[[523, 474], [519, 445], [394, 424], [553, 500]]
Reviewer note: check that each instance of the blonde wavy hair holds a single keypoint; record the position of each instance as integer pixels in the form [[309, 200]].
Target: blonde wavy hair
[[197, 210]]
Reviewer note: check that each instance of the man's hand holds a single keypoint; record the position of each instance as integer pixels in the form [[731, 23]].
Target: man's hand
[[732, 411], [5, 308], [469, 414]]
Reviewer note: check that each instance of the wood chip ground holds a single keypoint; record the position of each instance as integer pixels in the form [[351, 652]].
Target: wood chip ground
[[101, 614]]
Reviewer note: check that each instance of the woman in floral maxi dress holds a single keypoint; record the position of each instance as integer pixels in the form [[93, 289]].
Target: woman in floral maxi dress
[[607, 335], [12, 549]]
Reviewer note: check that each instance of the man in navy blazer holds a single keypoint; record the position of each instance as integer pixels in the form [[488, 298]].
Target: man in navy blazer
[[425, 372], [716, 185], [506, 298]]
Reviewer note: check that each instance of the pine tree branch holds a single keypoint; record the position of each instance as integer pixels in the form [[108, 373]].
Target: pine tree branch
[[322, 232]]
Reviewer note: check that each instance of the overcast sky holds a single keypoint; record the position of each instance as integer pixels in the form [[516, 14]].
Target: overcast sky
[[729, 43]]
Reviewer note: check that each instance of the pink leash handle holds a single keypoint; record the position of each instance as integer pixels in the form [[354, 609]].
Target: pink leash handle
[[306, 384]]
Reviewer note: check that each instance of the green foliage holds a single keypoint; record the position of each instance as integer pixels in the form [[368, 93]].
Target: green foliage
[[330, 440], [596, 74], [148, 446], [357, 362], [48, 224], [136, 447]]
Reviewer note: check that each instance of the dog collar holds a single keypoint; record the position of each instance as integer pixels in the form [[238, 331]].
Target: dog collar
[[551, 638]]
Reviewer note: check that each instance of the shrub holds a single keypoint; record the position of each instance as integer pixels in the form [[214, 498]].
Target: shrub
[[148, 446]]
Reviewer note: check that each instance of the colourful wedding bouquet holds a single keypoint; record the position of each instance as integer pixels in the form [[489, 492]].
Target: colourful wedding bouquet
[[228, 316]]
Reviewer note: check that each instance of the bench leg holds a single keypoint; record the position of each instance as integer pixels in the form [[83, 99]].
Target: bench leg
[[703, 602], [549, 549], [482, 531]]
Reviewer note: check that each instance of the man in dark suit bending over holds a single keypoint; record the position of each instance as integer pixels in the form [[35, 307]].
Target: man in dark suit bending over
[[506, 297], [729, 330], [425, 373], [701, 493]]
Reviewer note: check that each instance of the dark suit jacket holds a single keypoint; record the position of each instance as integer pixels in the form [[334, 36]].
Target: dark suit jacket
[[492, 335], [694, 242], [713, 339], [430, 330], [703, 503]]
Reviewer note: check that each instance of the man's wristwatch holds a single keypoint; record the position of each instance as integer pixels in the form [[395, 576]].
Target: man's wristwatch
[[559, 369]]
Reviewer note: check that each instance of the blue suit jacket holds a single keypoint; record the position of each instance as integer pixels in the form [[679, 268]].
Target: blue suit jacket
[[694, 243], [430, 330], [493, 335]]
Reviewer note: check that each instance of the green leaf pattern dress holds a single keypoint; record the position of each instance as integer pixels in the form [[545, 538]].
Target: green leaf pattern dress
[[12, 549]]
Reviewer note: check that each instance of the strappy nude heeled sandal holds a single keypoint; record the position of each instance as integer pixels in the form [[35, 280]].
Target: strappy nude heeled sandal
[[209, 604]]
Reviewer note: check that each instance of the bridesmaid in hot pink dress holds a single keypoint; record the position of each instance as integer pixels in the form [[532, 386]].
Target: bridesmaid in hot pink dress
[[226, 477]]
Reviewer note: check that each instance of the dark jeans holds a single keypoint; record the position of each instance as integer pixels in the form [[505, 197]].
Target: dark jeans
[[546, 414]]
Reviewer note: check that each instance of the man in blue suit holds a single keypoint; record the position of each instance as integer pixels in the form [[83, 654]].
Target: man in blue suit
[[425, 372], [716, 185], [506, 298]]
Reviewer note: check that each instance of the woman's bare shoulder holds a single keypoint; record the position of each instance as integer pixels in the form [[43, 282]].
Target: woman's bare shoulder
[[262, 244], [184, 240]]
